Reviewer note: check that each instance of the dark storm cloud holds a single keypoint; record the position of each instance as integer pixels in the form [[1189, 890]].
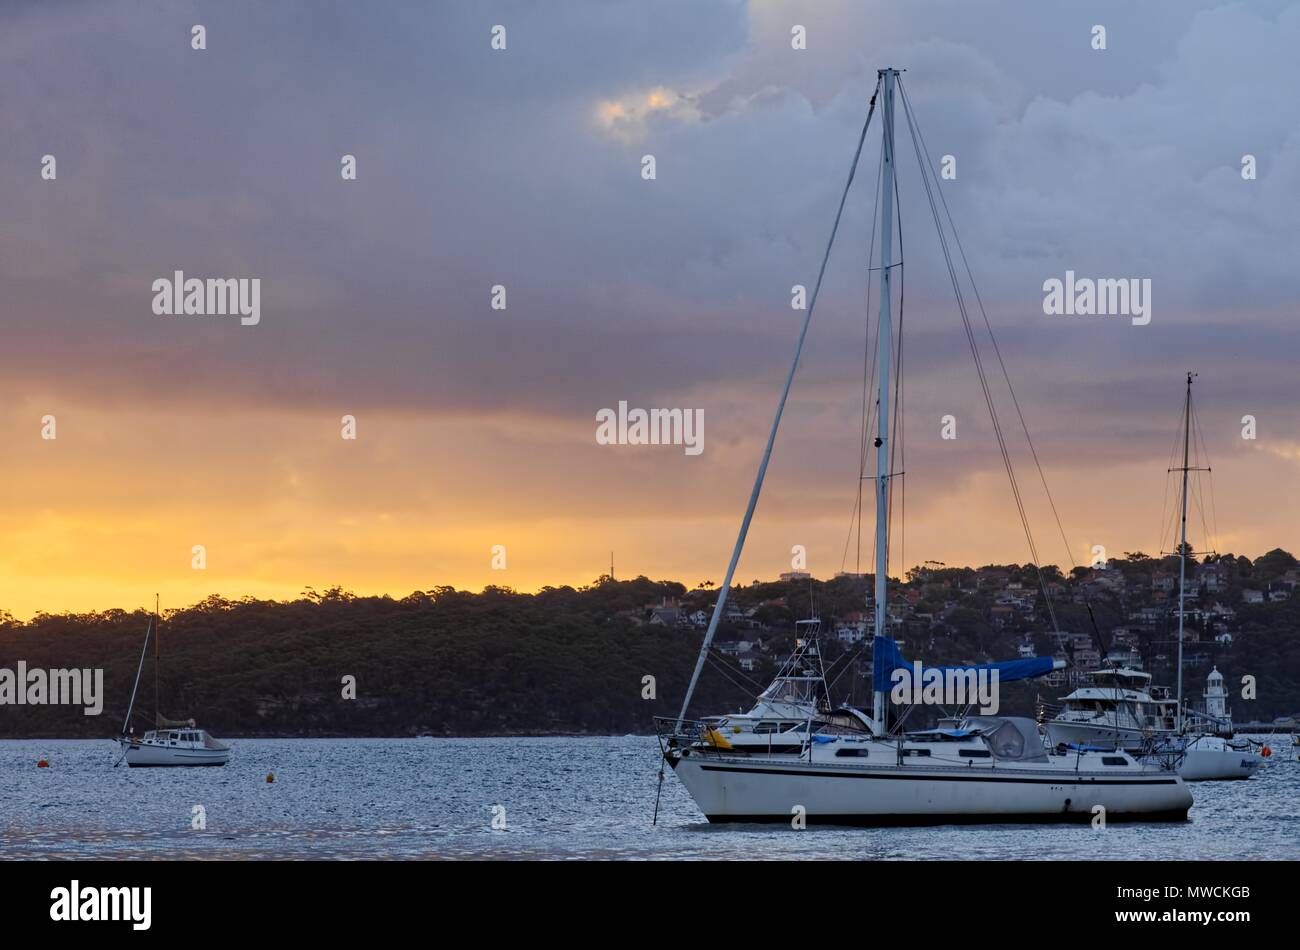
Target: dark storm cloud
[[478, 168]]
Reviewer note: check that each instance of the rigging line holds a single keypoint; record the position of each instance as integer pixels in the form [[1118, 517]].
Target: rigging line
[[728, 671], [727, 676], [1195, 498], [1214, 507], [1198, 455], [1164, 502], [847, 666], [1169, 528], [868, 377], [1198, 494], [902, 453], [776, 422], [1171, 532], [848, 537], [869, 360], [918, 147], [897, 359], [856, 512], [1169, 523], [874, 421], [992, 337], [898, 726], [895, 447], [1203, 453], [1217, 537], [900, 443], [827, 670], [873, 408], [997, 351], [719, 657]]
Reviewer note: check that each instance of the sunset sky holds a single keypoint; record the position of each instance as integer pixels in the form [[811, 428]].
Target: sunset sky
[[476, 427]]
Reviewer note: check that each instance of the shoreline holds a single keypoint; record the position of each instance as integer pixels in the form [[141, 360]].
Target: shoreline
[[241, 738]]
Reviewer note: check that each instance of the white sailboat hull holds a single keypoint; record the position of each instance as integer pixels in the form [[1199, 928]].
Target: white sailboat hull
[[749, 789], [139, 755], [1210, 759]]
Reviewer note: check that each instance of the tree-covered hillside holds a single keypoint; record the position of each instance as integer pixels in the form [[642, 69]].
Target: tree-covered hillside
[[565, 660], [438, 662]]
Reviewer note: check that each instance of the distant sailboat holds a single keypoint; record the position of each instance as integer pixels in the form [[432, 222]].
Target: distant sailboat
[[172, 742], [1207, 756], [1120, 707]]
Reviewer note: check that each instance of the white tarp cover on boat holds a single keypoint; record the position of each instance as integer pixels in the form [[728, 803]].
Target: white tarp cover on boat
[[1012, 738]]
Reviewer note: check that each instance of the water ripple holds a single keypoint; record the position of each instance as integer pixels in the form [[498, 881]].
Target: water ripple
[[563, 799]]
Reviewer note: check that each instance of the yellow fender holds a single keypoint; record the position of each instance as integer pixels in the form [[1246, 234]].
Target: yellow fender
[[717, 739]]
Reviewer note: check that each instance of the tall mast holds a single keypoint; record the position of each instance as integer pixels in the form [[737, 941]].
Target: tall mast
[[1182, 546], [884, 356], [157, 639]]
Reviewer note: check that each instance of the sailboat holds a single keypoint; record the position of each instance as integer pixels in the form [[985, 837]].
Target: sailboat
[[172, 742], [981, 769], [1206, 755], [1119, 707]]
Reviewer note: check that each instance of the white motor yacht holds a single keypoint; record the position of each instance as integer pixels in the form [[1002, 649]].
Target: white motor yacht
[[1112, 707], [779, 720], [1119, 708]]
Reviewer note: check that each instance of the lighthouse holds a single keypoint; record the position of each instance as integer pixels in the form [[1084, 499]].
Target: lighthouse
[[1216, 700]]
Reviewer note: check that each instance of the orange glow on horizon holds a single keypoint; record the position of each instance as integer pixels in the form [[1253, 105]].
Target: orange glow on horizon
[[105, 516]]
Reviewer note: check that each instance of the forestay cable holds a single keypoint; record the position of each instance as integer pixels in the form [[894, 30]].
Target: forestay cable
[[776, 422]]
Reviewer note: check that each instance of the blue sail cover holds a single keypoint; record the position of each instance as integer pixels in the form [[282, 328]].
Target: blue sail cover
[[886, 658]]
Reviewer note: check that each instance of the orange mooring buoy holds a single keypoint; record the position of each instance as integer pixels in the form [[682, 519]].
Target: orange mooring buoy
[[1266, 752], [270, 776], [43, 764]]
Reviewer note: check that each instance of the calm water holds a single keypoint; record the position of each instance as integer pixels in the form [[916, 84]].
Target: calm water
[[564, 799]]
